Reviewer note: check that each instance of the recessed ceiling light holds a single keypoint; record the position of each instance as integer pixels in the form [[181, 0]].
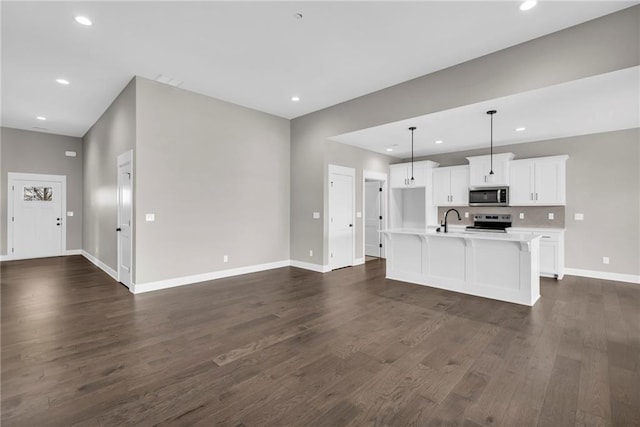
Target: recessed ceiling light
[[520, 129], [389, 149], [439, 141], [295, 98], [41, 118], [83, 20], [62, 81], [529, 4]]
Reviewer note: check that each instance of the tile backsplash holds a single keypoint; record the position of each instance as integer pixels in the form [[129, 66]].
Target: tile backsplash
[[534, 216]]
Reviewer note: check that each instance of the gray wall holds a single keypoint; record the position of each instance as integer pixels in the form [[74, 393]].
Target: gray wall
[[602, 45], [603, 183], [217, 178], [360, 160], [36, 152], [113, 134]]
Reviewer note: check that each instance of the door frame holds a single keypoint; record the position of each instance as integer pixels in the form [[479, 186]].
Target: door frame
[[384, 178], [351, 172], [126, 157], [12, 177]]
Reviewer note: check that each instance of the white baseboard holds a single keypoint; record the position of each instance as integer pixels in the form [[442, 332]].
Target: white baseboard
[[618, 277], [308, 266], [101, 265], [358, 261], [197, 278], [73, 252]]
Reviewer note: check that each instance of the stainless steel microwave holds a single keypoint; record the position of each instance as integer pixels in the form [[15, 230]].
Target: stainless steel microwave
[[488, 196]]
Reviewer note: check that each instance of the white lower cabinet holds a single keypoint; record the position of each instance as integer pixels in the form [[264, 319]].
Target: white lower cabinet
[[551, 250]]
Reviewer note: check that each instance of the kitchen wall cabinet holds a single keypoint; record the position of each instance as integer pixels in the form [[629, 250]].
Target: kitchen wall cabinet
[[551, 250], [480, 166], [411, 203], [400, 175], [540, 181], [451, 186]]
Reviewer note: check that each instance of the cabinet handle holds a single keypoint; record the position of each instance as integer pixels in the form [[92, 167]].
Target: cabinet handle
[[536, 196]]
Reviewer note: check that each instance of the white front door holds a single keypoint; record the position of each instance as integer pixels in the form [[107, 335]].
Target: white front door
[[372, 218], [341, 217], [125, 213], [36, 227]]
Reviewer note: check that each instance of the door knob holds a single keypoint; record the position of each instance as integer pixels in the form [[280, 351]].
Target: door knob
[[350, 225], [57, 223], [118, 229], [57, 219]]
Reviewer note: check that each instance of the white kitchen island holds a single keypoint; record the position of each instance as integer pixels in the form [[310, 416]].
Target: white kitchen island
[[504, 267]]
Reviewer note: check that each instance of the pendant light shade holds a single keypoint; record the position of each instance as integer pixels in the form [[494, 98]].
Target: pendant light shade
[[491, 113], [412, 128]]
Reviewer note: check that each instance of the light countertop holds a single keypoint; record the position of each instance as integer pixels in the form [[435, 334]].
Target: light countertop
[[460, 234]]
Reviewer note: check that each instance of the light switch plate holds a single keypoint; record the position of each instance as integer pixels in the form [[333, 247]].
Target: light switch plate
[[521, 215], [466, 214], [150, 217], [70, 213], [605, 260], [550, 216], [358, 214], [70, 153], [578, 217], [316, 215]]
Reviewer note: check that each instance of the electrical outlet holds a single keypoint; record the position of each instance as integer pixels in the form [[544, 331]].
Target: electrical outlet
[[358, 214], [550, 215], [316, 215], [521, 215], [466, 214], [150, 217], [70, 213], [605, 260], [578, 217], [225, 258], [310, 252]]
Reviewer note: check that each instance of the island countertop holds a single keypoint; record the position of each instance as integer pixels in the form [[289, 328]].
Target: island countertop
[[509, 237]]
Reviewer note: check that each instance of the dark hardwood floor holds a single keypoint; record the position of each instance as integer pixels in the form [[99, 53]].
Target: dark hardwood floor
[[289, 347]]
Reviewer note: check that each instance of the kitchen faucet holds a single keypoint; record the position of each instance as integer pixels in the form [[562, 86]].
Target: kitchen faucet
[[446, 230]]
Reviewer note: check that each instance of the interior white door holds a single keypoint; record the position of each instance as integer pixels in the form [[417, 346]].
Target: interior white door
[[372, 218], [125, 211], [36, 219], [341, 227]]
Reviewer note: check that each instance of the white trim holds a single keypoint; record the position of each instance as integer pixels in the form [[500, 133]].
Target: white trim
[[342, 170], [18, 176], [375, 176], [617, 277], [197, 278], [309, 266], [358, 261], [70, 252], [101, 265]]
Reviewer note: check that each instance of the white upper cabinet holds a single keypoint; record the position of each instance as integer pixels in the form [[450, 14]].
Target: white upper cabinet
[[451, 186], [400, 174], [480, 166], [540, 181]]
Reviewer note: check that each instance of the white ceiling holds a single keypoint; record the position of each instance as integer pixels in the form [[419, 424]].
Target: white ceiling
[[254, 54], [602, 103]]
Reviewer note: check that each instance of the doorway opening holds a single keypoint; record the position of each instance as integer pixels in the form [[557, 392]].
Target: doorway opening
[[374, 202], [36, 226]]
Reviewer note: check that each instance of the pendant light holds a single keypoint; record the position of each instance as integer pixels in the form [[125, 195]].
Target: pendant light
[[491, 113], [412, 128]]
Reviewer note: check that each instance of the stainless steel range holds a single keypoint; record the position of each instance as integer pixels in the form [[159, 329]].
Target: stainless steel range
[[494, 223]]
